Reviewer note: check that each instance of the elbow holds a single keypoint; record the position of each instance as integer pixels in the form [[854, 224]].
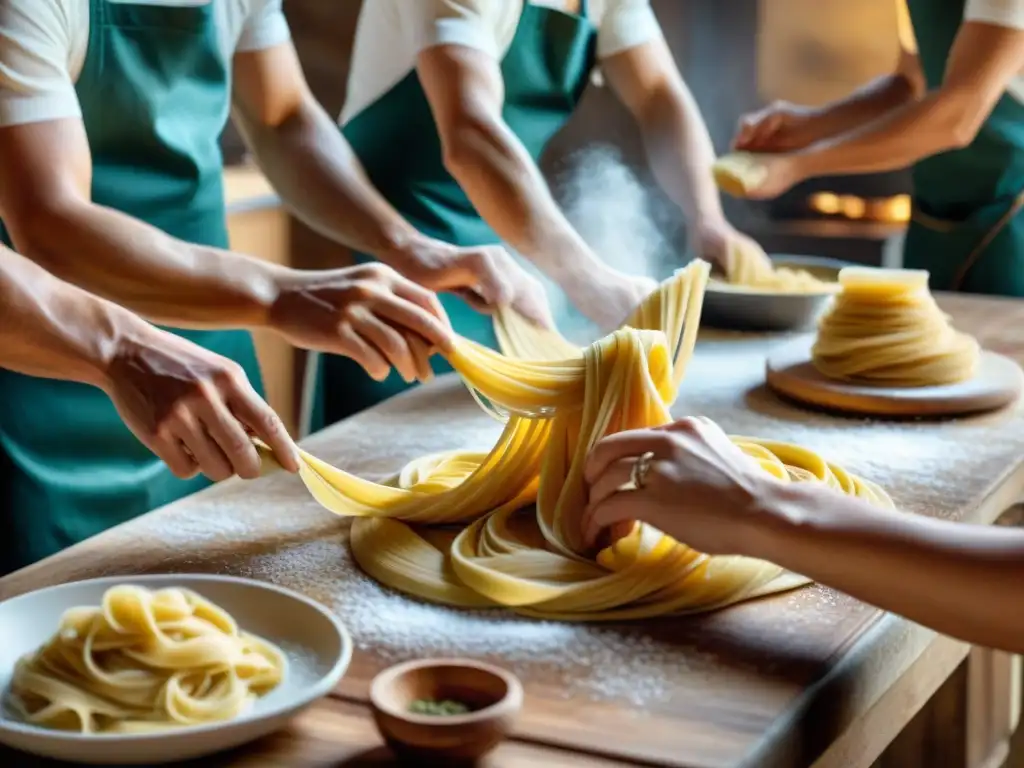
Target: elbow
[[959, 116], [471, 140], [36, 223], [962, 131]]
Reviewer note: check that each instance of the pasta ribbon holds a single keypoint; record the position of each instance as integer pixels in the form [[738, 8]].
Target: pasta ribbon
[[517, 509], [144, 661]]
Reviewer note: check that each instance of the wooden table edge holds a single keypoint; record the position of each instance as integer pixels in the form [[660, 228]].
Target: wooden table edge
[[872, 647]]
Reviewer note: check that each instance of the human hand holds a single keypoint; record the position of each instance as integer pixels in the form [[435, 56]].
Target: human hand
[[700, 489], [779, 127], [192, 408], [487, 277], [779, 173], [369, 313], [608, 299], [727, 249]]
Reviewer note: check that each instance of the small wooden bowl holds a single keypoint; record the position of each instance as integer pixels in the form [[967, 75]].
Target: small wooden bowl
[[493, 695]]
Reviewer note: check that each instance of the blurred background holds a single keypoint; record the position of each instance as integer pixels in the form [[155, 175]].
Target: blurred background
[[735, 56]]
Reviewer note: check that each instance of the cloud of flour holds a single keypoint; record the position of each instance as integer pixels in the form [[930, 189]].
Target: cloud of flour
[[612, 210]]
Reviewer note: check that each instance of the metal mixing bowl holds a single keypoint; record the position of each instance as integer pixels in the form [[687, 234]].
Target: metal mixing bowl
[[732, 308]]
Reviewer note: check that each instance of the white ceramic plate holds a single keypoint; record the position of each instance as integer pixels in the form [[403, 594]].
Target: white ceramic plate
[[316, 644]]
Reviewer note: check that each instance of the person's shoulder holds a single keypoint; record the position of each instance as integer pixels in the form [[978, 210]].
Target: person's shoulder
[[488, 25], [250, 25], [1002, 13], [42, 44], [44, 18], [623, 24]]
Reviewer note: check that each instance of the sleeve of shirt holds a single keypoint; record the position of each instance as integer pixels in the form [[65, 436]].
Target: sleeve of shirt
[[625, 24], [35, 47], [1001, 13], [264, 27], [486, 25]]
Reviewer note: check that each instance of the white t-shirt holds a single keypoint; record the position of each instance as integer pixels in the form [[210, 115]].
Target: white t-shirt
[[391, 33], [43, 47], [1001, 13]]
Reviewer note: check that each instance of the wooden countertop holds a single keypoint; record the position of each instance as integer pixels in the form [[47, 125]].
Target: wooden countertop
[[769, 683]]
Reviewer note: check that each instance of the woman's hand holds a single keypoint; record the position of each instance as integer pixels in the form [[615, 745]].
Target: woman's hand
[[609, 298], [779, 127], [723, 246], [487, 277], [701, 489], [369, 313], [194, 409]]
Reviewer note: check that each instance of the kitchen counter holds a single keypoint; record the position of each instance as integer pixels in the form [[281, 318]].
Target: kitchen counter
[[809, 677]]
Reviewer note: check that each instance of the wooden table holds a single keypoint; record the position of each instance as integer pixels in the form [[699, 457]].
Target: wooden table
[[810, 675]]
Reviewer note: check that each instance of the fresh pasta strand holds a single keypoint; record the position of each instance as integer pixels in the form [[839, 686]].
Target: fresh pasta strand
[[885, 328], [520, 504], [144, 661]]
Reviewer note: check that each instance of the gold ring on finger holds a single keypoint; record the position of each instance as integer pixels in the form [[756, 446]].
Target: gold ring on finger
[[641, 468]]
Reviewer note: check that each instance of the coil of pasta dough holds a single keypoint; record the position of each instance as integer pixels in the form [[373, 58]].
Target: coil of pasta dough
[[520, 504], [143, 661], [738, 173], [885, 328]]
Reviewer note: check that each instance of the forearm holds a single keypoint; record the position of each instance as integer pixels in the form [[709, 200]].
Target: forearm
[[896, 139], [961, 580], [140, 267], [873, 101], [508, 190], [680, 152], [52, 329], [315, 171]]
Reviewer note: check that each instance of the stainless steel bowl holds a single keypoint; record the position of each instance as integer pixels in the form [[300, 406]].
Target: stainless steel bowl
[[731, 308]]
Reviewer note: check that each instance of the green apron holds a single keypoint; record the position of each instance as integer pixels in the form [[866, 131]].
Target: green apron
[[155, 94], [968, 225], [545, 72]]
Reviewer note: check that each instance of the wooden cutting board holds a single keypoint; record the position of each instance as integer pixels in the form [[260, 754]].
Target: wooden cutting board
[[790, 373]]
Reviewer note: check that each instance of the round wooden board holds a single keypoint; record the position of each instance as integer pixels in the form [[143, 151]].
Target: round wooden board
[[790, 373]]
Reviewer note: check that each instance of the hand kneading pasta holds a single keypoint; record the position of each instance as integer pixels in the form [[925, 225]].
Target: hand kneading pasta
[[885, 328], [751, 269], [144, 661], [520, 504]]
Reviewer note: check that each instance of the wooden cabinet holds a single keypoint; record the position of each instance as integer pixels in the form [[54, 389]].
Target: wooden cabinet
[[258, 225]]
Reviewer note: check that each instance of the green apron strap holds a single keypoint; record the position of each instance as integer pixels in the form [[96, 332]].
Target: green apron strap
[[950, 228]]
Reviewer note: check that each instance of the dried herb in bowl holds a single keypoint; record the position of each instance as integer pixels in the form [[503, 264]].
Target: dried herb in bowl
[[443, 708]]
